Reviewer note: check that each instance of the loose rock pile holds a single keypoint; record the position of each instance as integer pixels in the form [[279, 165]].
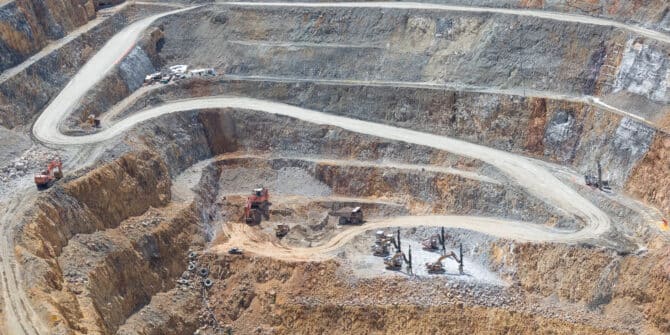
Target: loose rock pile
[[32, 160]]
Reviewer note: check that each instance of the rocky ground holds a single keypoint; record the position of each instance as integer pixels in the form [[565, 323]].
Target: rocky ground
[[135, 238]]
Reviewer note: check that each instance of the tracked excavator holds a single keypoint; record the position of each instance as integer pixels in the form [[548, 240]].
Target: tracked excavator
[[396, 261], [435, 241], [383, 243], [46, 178], [437, 267], [258, 206]]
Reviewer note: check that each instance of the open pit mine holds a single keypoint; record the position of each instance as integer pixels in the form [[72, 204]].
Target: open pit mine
[[332, 167]]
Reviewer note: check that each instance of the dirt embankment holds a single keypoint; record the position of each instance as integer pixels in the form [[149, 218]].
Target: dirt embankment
[[94, 251], [649, 178], [631, 290], [260, 295]]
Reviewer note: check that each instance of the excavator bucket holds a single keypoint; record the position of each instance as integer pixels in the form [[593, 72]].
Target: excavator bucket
[[254, 217]]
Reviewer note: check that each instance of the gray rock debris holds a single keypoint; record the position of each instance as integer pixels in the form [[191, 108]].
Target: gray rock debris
[[135, 67], [644, 71]]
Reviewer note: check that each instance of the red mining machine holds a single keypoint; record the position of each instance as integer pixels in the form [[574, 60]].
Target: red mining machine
[[46, 178], [258, 206]]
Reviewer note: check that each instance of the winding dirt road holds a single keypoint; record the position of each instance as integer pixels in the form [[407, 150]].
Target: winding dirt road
[[21, 318], [525, 172]]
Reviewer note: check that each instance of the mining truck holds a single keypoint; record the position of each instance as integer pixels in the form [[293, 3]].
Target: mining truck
[[46, 178], [258, 206], [349, 215]]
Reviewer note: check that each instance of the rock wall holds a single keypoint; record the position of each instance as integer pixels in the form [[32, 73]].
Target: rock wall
[[600, 279], [331, 319], [23, 96], [122, 81], [648, 180], [425, 192], [98, 201], [26, 26], [567, 133], [271, 296]]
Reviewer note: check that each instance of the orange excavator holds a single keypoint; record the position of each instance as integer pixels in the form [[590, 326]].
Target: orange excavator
[[46, 178], [438, 267], [258, 206]]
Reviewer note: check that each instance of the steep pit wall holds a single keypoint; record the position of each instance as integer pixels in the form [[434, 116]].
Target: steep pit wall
[[124, 267], [27, 26], [562, 132], [99, 200], [472, 49], [122, 81], [425, 192], [389, 44], [333, 319], [650, 13], [270, 296], [632, 289], [648, 180]]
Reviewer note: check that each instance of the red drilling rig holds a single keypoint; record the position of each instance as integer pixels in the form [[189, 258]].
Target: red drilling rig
[[258, 206]]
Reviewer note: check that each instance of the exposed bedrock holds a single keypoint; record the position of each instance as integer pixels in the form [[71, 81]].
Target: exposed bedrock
[[424, 192], [557, 131], [600, 279], [28, 25], [119, 83], [304, 298], [476, 49], [24, 95], [102, 260]]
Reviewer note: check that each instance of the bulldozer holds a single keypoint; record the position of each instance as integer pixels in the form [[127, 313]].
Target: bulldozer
[[281, 230], [349, 215], [437, 267], [258, 206], [46, 178]]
